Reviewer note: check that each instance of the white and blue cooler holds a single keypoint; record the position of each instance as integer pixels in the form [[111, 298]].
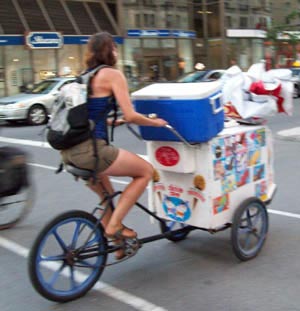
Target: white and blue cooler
[[195, 110]]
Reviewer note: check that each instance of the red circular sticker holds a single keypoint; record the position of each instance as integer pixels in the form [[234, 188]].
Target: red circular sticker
[[167, 156]]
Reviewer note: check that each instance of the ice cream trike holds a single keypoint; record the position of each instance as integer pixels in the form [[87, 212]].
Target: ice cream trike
[[223, 181]]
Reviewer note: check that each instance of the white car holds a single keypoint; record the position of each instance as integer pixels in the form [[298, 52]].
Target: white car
[[34, 105]]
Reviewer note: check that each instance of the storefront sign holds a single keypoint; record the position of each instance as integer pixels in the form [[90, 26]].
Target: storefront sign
[[84, 39], [44, 40], [160, 33], [11, 40]]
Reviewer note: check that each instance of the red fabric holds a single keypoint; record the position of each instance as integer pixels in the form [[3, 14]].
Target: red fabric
[[259, 89]]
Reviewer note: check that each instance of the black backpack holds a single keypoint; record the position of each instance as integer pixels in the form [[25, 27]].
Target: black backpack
[[13, 171], [69, 124]]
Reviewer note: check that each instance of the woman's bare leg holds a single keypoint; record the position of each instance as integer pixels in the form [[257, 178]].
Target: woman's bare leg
[[128, 164], [101, 188]]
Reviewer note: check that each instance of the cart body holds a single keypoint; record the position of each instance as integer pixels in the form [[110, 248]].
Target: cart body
[[202, 185]]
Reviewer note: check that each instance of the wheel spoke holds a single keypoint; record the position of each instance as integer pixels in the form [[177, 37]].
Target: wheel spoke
[[249, 220], [56, 275], [72, 278], [256, 219], [247, 241], [76, 234], [60, 241], [52, 258]]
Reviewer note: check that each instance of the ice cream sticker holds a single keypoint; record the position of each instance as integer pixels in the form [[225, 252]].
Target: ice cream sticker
[[221, 204], [176, 208], [196, 191]]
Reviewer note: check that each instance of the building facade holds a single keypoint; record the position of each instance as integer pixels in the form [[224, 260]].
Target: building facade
[[231, 31], [45, 38], [157, 40]]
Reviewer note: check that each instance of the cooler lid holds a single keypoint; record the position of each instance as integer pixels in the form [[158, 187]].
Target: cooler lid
[[196, 90]]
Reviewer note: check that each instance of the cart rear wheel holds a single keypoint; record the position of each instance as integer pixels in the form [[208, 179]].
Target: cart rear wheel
[[249, 228], [167, 225]]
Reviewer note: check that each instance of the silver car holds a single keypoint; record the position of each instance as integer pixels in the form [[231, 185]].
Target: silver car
[[34, 105], [296, 81]]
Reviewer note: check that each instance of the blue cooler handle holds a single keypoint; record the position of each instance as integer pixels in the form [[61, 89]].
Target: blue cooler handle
[[216, 103]]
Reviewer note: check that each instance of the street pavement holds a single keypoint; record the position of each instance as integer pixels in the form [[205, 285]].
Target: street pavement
[[199, 273]]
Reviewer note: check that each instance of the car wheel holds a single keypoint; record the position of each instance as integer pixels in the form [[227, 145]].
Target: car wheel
[[37, 115], [296, 92]]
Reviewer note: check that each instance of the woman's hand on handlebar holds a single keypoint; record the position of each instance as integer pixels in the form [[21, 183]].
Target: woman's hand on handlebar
[[117, 122], [159, 122]]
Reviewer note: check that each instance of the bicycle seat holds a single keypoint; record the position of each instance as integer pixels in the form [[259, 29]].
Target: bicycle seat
[[79, 172]]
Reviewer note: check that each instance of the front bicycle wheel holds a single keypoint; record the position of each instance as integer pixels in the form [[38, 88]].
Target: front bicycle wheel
[[68, 256], [15, 207]]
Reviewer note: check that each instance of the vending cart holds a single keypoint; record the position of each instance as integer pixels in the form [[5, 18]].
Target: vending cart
[[208, 175]]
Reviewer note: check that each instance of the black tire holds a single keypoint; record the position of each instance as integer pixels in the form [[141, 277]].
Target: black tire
[[14, 208], [61, 273], [37, 115], [167, 226], [296, 92], [249, 229]]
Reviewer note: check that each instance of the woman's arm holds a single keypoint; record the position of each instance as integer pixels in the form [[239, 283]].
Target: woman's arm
[[120, 90]]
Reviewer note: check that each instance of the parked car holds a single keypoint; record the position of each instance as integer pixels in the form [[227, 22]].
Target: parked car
[[201, 76], [35, 104], [296, 81]]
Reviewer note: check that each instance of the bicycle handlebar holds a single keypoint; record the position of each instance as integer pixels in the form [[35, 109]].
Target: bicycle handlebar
[[167, 126]]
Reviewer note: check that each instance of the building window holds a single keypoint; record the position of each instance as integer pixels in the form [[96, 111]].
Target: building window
[[149, 20], [243, 22], [137, 21]]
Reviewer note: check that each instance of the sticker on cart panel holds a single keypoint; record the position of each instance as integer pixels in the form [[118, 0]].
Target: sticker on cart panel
[[176, 208], [254, 157], [258, 172], [220, 204], [219, 169], [242, 177], [241, 161], [218, 148], [229, 184], [167, 156], [261, 190], [261, 137], [241, 142], [229, 145]]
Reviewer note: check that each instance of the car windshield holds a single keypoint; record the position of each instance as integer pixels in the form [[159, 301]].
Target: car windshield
[[43, 87], [295, 72], [192, 77]]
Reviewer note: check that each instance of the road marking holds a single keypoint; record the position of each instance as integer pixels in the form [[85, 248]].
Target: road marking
[[111, 291], [40, 144], [52, 168], [295, 131]]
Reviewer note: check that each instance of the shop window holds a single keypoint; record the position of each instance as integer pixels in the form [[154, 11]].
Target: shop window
[[133, 63], [18, 72], [69, 61]]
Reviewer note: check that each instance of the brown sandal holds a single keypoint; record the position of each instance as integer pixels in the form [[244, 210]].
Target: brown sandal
[[119, 253], [119, 234]]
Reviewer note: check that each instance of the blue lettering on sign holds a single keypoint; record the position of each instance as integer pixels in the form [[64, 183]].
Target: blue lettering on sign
[[160, 33], [44, 40]]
